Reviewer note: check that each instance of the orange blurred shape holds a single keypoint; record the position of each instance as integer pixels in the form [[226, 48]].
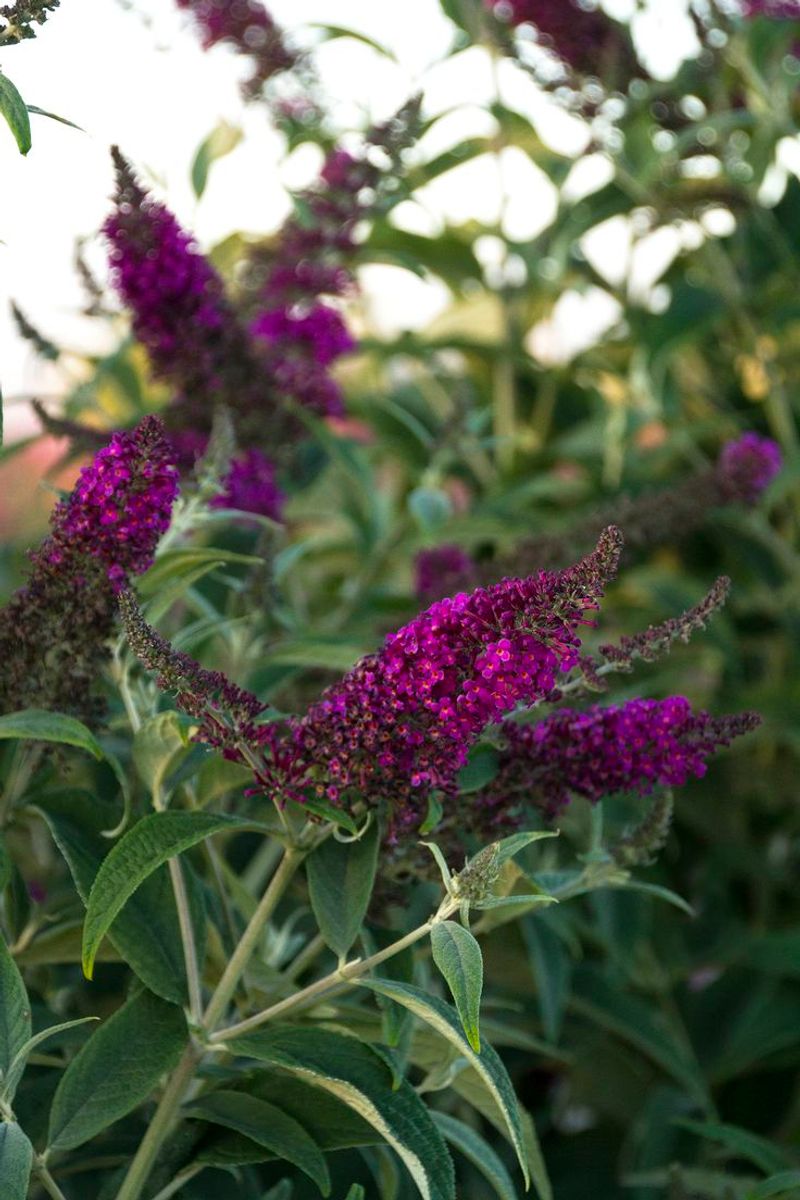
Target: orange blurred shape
[[651, 435], [26, 480]]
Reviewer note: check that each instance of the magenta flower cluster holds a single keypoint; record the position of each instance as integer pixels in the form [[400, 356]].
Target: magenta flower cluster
[[54, 632], [400, 724], [747, 466], [442, 571], [320, 330], [250, 486], [120, 505], [302, 343], [175, 296], [249, 29], [580, 37], [632, 747]]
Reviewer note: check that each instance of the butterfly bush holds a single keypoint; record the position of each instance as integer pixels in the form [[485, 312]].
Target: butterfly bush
[[53, 632], [631, 747]]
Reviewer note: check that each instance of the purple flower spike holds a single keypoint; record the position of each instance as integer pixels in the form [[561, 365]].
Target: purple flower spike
[[320, 329], [442, 571], [631, 747], [120, 505], [747, 466], [54, 632], [249, 29], [402, 721], [250, 487]]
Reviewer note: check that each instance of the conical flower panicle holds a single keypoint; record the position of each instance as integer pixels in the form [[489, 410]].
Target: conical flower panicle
[[402, 721], [53, 632]]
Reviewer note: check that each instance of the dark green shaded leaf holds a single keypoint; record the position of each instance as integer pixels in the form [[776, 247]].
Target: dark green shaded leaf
[[117, 1069], [458, 957], [359, 1078], [15, 111], [16, 1157], [340, 879]]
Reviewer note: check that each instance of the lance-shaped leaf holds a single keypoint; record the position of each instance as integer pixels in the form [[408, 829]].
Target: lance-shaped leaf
[[15, 1017], [15, 111], [478, 1151], [458, 957], [15, 1071], [147, 932], [16, 1156], [360, 1078], [444, 1020], [38, 725], [267, 1125], [784, 1184], [117, 1069], [151, 842], [340, 878]]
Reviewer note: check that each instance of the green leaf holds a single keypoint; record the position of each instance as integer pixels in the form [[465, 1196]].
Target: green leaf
[[15, 1017], [339, 31], [477, 1151], [38, 725], [659, 893], [458, 957], [17, 1067], [42, 112], [552, 971], [328, 812], [174, 564], [15, 111], [641, 1025], [740, 1142], [268, 1126], [340, 878], [510, 846], [479, 769], [220, 141], [489, 1066], [16, 1157], [117, 1069], [151, 842], [147, 932], [785, 1184], [159, 742], [356, 1192], [358, 1077]]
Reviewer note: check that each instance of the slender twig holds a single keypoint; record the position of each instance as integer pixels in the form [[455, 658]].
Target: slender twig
[[237, 965], [305, 957], [187, 938], [160, 1126], [48, 1183], [338, 980], [178, 1182]]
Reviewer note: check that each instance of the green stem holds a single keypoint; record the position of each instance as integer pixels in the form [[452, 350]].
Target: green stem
[[336, 981], [187, 938], [160, 1126], [305, 957], [251, 936], [48, 1183], [178, 1182]]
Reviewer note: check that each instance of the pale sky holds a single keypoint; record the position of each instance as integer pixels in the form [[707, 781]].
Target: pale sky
[[134, 73]]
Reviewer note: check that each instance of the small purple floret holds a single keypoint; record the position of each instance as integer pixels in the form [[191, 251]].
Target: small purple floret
[[250, 487], [747, 466], [442, 571]]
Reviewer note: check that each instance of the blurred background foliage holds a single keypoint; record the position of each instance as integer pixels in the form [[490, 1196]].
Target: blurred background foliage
[[655, 316]]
